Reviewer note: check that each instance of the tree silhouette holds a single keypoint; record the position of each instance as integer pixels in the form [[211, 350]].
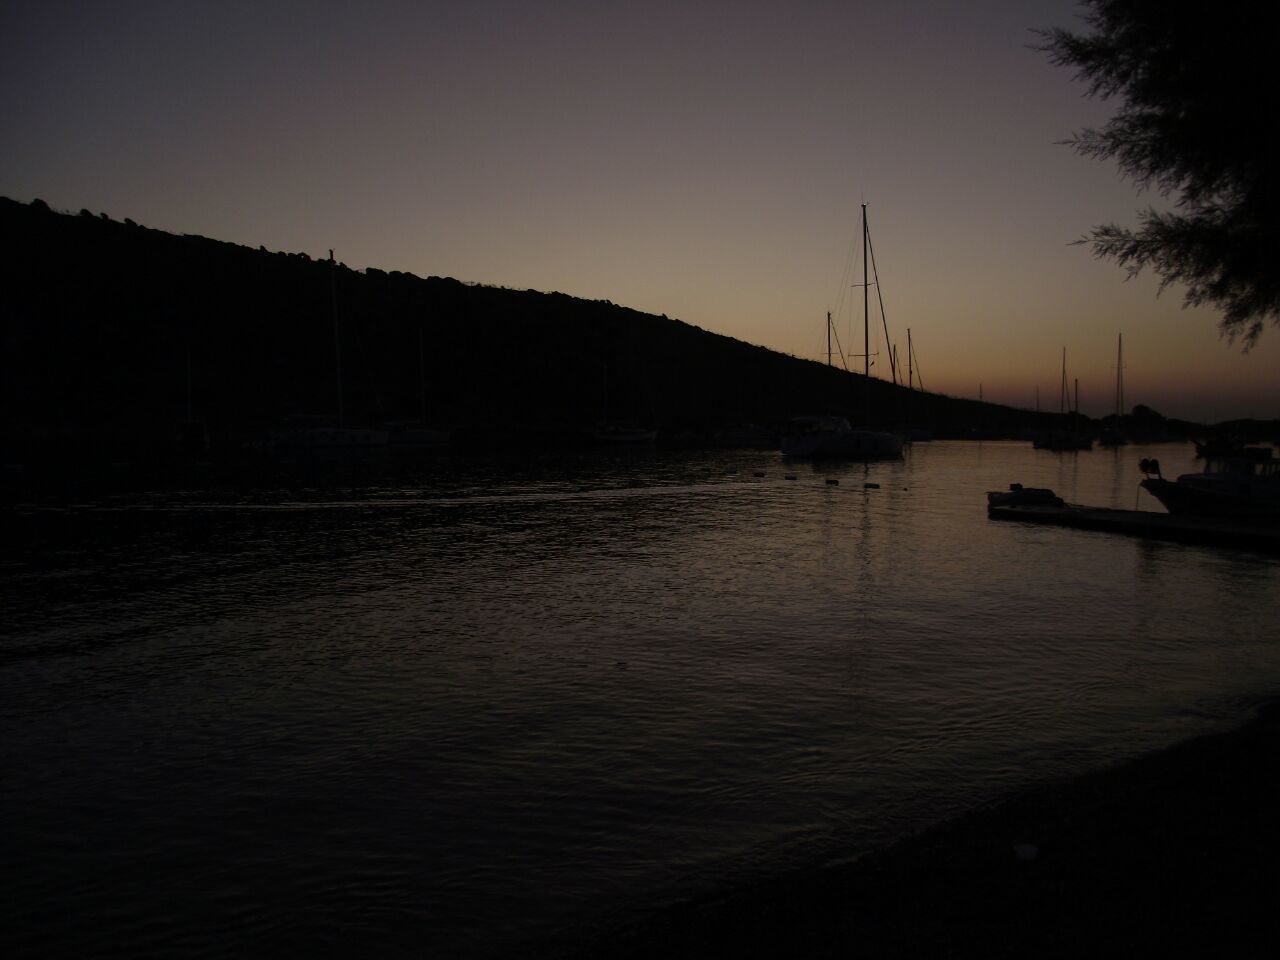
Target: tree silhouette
[[1197, 121]]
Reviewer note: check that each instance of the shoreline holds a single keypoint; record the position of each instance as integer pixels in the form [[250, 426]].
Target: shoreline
[[1173, 853]]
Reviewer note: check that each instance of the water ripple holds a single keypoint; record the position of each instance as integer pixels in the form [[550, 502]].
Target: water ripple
[[449, 710]]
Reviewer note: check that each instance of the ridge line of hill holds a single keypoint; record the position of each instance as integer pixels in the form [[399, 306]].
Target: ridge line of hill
[[116, 335]]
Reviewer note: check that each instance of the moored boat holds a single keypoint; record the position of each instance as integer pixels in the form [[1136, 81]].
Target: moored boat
[[1235, 486], [1017, 495], [1221, 447], [1062, 440], [832, 437], [312, 433], [414, 433], [825, 437], [1066, 435], [618, 435], [1042, 506]]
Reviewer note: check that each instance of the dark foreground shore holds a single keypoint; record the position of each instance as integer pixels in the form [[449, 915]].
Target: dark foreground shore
[[1176, 854]]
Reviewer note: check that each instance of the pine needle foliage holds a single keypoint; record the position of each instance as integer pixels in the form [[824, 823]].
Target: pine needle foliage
[[1199, 102]]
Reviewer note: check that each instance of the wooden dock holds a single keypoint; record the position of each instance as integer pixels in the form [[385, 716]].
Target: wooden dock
[[1161, 526]]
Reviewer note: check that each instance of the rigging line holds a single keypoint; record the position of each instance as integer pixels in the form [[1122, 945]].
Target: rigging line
[[915, 356], [849, 259], [839, 349], [842, 310], [893, 361]]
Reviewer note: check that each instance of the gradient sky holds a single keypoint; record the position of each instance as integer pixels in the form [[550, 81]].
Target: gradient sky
[[702, 160]]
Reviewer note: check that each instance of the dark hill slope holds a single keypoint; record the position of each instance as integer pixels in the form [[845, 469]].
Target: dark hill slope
[[115, 334]]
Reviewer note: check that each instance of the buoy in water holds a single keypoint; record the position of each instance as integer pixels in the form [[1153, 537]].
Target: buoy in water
[[871, 486], [758, 473], [789, 476], [832, 482]]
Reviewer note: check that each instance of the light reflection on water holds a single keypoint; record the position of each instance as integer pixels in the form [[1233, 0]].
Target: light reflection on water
[[457, 706]]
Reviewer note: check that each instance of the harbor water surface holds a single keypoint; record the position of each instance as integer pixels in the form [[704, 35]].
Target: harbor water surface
[[457, 706]]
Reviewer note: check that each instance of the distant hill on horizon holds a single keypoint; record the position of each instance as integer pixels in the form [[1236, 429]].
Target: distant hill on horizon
[[116, 334]]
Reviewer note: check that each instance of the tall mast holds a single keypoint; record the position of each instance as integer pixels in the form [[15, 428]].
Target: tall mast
[[1062, 390], [828, 338], [337, 349], [866, 305], [1119, 378], [422, 376]]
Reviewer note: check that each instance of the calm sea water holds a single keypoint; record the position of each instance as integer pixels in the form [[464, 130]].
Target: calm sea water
[[453, 707]]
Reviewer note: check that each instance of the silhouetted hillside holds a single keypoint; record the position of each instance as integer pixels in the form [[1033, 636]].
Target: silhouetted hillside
[[115, 335]]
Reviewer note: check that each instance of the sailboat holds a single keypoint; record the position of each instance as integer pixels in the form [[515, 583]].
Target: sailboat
[[1113, 436], [417, 434], [832, 437], [312, 432], [611, 433], [1066, 437]]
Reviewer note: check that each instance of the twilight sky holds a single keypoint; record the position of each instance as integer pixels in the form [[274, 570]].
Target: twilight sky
[[705, 160]]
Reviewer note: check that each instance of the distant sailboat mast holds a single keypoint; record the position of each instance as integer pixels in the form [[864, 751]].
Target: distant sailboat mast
[[337, 347], [1119, 378], [866, 304], [1062, 390], [869, 276], [422, 376], [1113, 435]]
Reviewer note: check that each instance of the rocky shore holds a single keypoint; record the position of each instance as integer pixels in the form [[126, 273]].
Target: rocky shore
[[1173, 854]]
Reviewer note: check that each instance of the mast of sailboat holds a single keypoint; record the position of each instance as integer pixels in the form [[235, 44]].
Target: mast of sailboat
[[190, 405], [866, 336], [422, 375], [1119, 378], [866, 302], [1062, 390], [337, 347], [828, 338]]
